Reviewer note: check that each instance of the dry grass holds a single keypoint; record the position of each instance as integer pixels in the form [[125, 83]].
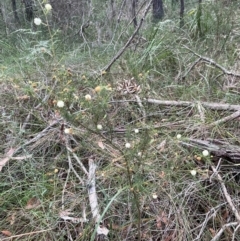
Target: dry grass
[[146, 190]]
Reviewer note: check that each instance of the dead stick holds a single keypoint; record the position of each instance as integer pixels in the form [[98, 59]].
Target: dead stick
[[211, 105], [225, 119], [78, 160], [26, 234], [226, 194], [218, 235], [92, 193], [121, 51], [212, 62]]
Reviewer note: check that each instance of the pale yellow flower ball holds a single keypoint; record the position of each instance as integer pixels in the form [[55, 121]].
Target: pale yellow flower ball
[[48, 7], [37, 21], [154, 196], [193, 172], [128, 145], [136, 131], [60, 104], [179, 136], [98, 89], [99, 127], [88, 97], [205, 153], [68, 131]]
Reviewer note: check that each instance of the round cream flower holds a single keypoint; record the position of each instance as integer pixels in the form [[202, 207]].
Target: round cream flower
[[99, 127], [205, 153], [127, 145], [136, 131], [88, 97], [179, 136], [60, 104], [37, 21], [193, 172], [48, 7], [154, 196], [98, 89], [68, 131]]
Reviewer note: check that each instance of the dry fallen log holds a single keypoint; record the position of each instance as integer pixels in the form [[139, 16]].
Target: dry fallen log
[[217, 148], [210, 105]]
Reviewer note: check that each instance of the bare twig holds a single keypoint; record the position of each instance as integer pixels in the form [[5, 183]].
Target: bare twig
[[211, 62], [121, 51], [65, 184], [225, 119], [72, 168], [190, 68], [26, 234], [201, 111], [218, 235], [25, 122], [78, 160], [210, 105], [235, 232], [226, 194], [141, 107], [210, 214], [92, 194]]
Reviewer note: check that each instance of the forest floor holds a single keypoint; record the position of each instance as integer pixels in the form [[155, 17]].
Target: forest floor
[[146, 151]]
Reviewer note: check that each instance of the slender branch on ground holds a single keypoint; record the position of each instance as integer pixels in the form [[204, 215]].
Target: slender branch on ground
[[93, 199], [72, 168], [65, 183], [78, 160], [201, 112], [141, 107], [25, 234], [25, 122], [225, 119], [210, 214], [235, 233], [218, 235], [92, 194], [13, 151], [211, 62], [226, 194], [190, 68], [122, 50], [210, 105], [217, 148]]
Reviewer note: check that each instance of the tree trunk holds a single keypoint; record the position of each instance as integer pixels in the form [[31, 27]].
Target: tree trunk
[[157, 10], [133, 11], [28, 9], [199, 15], [181, 13], [14, 8]]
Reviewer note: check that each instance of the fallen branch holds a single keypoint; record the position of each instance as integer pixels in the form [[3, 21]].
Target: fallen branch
[[121, 51], [14, 151], [225, 119], [210, 105], [26, 234], [218, 235], [72, 168], [229, 201], [217, 148], [141, 107], [211, 62], [92, 195], [226, 194], [78, 160], [209, 215]]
